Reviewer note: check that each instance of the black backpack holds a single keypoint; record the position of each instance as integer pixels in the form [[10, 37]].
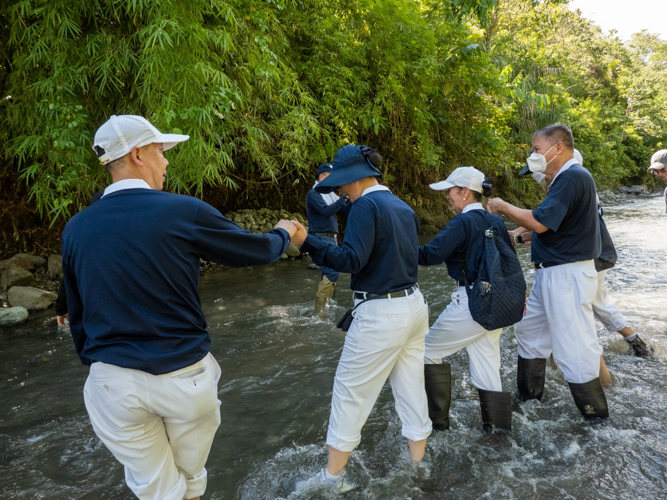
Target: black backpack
[[497, 298]]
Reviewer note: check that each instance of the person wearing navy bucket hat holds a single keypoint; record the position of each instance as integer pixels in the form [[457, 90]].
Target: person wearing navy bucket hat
[[321, 210], [386, 329]]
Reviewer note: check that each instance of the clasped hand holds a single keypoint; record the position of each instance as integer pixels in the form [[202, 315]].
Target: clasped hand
[[296, 231]]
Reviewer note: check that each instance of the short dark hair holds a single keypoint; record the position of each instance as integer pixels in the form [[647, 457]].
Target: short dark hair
[[555, 133]]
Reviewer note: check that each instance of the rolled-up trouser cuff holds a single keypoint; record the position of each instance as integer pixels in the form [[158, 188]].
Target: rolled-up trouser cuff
[[196, 485], [341, 444], [415, 434], [178, 492]]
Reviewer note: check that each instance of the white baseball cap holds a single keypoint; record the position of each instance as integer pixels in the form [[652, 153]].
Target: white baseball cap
[[118, 135], [468, 177], [658, 160]]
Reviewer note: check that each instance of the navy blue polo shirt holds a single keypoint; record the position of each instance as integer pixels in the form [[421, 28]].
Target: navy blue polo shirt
[[380, 248], [322, 217], [570, 213], [463, 239], [131, 271]]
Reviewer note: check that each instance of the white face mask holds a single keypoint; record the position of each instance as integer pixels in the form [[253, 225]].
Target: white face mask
[[540, 178], [537, 163]]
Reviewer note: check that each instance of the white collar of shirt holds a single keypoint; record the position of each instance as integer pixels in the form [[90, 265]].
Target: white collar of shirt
[[567, 165], [329, 198], [126, 184], [371, 189], [472, 206]]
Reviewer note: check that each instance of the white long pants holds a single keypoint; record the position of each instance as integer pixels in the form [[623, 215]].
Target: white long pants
[[159, 427], [559, 319], [385, 340], [604, 311], [455, 330]]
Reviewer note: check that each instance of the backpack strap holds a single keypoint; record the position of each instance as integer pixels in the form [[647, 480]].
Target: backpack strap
[[483, 228]]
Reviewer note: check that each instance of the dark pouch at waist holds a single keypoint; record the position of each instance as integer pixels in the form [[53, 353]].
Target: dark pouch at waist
[[345, 322]]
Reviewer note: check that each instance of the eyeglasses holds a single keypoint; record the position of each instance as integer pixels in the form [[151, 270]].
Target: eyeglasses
[[659, 172]]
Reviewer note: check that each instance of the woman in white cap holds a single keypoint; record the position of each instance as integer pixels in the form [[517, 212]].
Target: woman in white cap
[[386, 337], [460, 245]]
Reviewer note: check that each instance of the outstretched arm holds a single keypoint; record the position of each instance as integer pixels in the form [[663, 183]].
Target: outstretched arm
[[220, 240], [520, 216]]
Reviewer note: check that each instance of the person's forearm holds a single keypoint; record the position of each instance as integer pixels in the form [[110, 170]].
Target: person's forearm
[[523, 218]]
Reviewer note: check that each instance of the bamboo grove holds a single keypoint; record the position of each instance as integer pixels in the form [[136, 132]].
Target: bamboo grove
[[269, 89]]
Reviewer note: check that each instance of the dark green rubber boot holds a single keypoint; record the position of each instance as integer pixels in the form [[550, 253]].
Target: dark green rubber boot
[[590, 399], [438, 384], [530, 378]]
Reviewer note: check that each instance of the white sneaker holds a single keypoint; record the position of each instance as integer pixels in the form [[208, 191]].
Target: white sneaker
[[340, 485]]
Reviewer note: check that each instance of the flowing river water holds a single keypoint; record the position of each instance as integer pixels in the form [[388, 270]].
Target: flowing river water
[[278, 364]]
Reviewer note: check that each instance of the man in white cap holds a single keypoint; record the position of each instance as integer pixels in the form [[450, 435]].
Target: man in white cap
[[559, 311], [131, 270], [657, 167]]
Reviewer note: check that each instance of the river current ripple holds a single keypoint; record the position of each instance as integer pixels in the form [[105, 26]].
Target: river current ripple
[[278, 364]]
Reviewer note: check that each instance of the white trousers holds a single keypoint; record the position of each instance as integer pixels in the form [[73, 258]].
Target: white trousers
[[559, 319], [385, 340], [455, 330], [604, 311], [159, 427]]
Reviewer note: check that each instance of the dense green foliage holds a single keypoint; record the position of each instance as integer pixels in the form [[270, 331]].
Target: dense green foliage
[[269, 89]]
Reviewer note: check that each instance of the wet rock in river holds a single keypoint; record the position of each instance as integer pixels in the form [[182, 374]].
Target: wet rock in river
[[31, 298], [16, 276], [12, 316]]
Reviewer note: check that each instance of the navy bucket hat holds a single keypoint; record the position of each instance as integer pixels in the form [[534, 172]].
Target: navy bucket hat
[[324, 168], [350, 164]]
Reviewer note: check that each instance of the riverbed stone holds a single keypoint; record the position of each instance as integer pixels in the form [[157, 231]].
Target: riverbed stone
[[27, 261], [284, 256], [31, 298], [55, 266], [16, 276], [12, 316], [293, 251], [638, 190]]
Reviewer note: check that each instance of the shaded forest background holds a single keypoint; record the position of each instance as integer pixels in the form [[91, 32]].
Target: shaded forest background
[[270, 89]]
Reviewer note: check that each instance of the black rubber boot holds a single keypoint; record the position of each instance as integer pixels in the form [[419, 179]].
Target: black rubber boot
[[496, 410], [530, 378], [438, 383], [590, 399]]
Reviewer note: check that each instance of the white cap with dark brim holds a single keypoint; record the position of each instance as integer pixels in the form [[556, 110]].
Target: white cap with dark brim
[[658, 160], [468, 177], [118, 135]]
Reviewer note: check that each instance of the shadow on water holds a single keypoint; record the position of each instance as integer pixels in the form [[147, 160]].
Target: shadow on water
[[278, 364]]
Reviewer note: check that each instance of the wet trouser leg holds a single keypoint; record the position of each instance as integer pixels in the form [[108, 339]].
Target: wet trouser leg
[[385, 340], [559, 319], [604, 310]]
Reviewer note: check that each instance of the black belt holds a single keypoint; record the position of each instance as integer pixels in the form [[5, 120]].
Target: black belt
[[332, 235], [393, 295], [544, 265]]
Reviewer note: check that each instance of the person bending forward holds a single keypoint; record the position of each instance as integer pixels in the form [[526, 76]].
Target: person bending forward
[[386, 338]]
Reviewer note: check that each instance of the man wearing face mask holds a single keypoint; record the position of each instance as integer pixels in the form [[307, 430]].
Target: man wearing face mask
[[603, 310], [559, 311]]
